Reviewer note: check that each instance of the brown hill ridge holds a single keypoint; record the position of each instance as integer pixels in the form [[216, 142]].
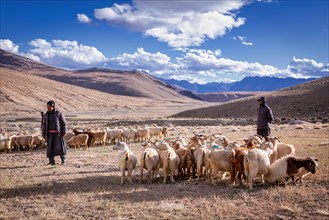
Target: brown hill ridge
[[304, 101], [25, 95], [126, 83], [16, 62]]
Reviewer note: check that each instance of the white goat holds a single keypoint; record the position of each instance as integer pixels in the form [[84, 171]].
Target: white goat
[[127, 160], [149, 160], [256, 162], [169, 160]]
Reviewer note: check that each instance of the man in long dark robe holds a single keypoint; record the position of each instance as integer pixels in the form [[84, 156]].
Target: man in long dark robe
[[53, 127], [264, 119]]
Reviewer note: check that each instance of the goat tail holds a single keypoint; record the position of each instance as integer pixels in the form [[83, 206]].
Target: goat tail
[[203, 157], [246, 164], [233, 153], [233, 159], [168, 159], [143, 160]]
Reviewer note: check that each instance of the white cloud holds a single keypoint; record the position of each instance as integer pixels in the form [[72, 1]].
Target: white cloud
[[180, 25], [307, 67], [141, 60], [64, 53], [8, 45], [195, 65], [202, 66], [83, 18], [243, 40], [206, 60]]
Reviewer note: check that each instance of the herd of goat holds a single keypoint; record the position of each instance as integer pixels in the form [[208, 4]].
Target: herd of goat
[[200, 156], [206, 156]]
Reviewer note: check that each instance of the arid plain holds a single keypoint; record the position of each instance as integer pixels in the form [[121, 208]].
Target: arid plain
[[89, 186]]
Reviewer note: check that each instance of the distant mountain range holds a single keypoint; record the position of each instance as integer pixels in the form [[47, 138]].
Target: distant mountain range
[[200, 88], [249, 83]]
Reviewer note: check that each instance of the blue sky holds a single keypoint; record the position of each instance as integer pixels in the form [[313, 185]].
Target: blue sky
[[199, 41]]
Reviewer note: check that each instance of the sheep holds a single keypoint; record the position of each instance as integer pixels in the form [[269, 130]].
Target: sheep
[[288, 167], [96, 137], [142, 134], [256, 162], [5, 143], [128, 135], [22, 141], [112, 135], [169, 160], [150, 161], [220, 160], [78, 140], [126, 159], [38, 141], [155, 132]]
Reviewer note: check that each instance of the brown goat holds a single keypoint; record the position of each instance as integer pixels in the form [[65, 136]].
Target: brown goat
[[237, 164]]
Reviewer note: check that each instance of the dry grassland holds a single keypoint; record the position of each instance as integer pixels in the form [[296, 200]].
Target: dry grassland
[[88, 187]]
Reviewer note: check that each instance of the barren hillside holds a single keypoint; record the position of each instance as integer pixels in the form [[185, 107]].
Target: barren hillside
[[23, 94], [308, 100], [126, 83]]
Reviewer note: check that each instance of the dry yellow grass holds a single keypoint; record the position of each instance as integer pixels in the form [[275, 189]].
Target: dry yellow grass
[[88, 187]]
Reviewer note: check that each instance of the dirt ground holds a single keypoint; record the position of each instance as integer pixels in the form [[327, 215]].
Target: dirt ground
[[88, 186]]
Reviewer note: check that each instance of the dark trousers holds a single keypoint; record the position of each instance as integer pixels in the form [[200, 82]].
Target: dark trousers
[[266, 132], [55, 146]]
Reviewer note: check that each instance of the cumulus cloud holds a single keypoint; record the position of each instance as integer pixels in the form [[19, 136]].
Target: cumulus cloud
[[83, 18], [64, 53], [307, 67], [202, 66], [8, 45], [153, 63], [194, 65], [211, 61], [180, 25]]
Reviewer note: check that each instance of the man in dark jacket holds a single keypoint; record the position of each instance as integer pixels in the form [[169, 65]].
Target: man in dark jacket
[[53, 127], [264, 118]]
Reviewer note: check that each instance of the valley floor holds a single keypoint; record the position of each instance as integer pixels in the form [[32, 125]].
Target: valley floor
[[88, 187]]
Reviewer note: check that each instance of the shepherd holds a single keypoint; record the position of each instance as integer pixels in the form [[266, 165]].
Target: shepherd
[[53, 127], [264, 119]]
